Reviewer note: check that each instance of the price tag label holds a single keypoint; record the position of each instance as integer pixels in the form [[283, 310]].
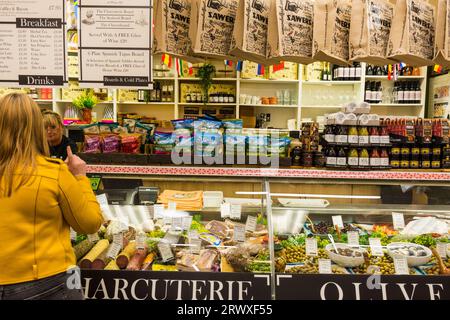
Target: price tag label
[[325, 266], [398, 220], [401, 265], [104, 206], [225, 210], [172, 206], [177, 223], [353, 238], [236, 210], [73, 234], [113, 250], [102, 199], [187, 221], [311, 247], [337, 221], [193, 234], [93, 237], [250, 224], [376, 247], [196, 245], [441, 248], [158, 211], [170, 238], [141, 240], [239, 233], [118, 239], [166, 251]]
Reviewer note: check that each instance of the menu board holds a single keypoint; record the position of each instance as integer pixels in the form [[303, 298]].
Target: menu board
[[32, 43], [115, 41]]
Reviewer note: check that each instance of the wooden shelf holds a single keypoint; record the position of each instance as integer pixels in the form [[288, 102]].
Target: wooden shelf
[[398, 78], [269, 81], [269, 105], [43, 101], [322, 107], [206, 105], [214, 79], [164, 78], [145, 103], [70, 101], [396, 105], [331, 83]]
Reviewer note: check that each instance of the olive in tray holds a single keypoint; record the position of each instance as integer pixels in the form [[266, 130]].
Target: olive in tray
[[345, 256], [416, 254]]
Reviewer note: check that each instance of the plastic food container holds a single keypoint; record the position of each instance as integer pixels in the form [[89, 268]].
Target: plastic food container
[[342, 260], [413, 261], [212, 199]]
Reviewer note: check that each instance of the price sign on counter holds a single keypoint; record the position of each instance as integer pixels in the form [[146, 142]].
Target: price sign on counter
[[193, 234], [93, 237], [196, 245], [311, 247], [236, 210], [113, 250], [325, 266], [172, 206], [398, 220], [337, 221], [225, 210], [239, 233], [166, 251], [177, 223], [441, 248], [250, 225], [401, 265], [353, 238], [141, 240], [187, 221], [73, 234], [376, 247], [118, 239], [158, 211]]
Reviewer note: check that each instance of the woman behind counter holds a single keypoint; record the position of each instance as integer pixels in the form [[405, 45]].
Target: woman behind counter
[[57, 142], [40, 199]]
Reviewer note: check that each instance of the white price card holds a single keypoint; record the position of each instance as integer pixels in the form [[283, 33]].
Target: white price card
[[375, 247], [141, 240], [187, 221], [401, 265], [73, 234], [441, 248], [250, 225], [193, 234], [239, 233], [236, 210], [102, 199], [113, 250], [172, 206], [353, 238], [337, 221], [93, 237], [311, 247], [118, 239], [196, 245], [325, 266], [398, 220], [177, 223], [158, 211], [166, 251], [171, 238], [225, 210]]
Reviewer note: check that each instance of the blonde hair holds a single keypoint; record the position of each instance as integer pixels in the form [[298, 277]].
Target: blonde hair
[[52, 119], [23, 138]]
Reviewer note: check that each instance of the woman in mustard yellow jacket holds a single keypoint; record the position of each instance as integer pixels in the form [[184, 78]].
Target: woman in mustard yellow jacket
[[40, 199]]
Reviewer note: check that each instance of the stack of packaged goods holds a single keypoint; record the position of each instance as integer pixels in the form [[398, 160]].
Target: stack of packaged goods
[[356, 139], [163, 142], [267, 143], [311, 150], [234, 139], [183, 136], [419, 143], [185, 200], [208, 139]]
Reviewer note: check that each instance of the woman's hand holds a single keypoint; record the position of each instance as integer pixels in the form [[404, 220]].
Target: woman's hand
[[76, 165]]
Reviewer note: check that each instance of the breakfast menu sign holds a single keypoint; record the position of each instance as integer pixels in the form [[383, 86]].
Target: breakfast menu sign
[[32, 43], [115, 43]]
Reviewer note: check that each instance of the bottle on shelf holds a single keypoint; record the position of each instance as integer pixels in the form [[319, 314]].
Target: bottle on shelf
[[384, 158], [357, 71], [329, 77], [369, 70], [379, 92], [364, 158], [352, 135], [331, 158], [368, 92], [341, 159], [375, 160], [341, 135], [417, 93], [353, 158], [346, 73], [324, 76], [400, 93], [352, 72], [329, 134], [363, 135], [374, 137]]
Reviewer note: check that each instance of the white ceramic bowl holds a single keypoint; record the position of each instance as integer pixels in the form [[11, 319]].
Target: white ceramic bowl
[[412, 261], [344, 261]]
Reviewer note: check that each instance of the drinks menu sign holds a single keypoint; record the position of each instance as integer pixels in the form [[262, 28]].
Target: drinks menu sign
[[32, 43], [115, 43]]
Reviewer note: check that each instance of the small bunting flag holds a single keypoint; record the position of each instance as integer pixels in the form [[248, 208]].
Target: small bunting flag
[[228, 63], [239, 66], [179, 66], [389, 71], [260, 71], [437, 68], [167, 60], [278, 67], [190, 68]]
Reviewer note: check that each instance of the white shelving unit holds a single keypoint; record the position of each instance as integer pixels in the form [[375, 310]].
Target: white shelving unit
[[312, 98]]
